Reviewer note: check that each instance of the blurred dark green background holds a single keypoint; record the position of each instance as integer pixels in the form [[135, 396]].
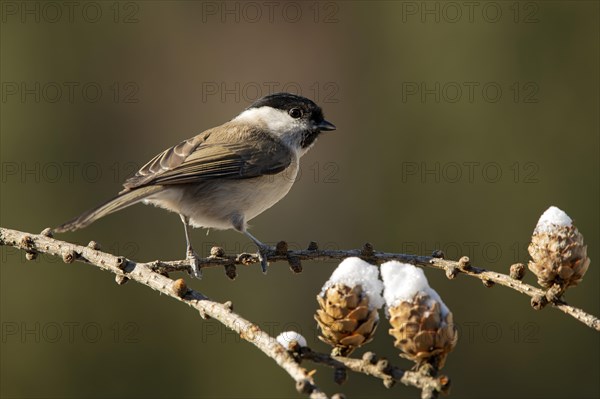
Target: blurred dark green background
[[458, 125]]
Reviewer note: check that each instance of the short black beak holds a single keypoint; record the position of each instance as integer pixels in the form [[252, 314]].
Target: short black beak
[[326, 126]]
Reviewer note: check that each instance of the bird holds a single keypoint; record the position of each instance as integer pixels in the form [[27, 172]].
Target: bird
[[226, 175]]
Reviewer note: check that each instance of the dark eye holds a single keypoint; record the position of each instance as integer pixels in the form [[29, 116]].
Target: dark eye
[[295, 113]]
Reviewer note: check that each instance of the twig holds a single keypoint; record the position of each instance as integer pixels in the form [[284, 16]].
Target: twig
[[451, 268], [429, 385]]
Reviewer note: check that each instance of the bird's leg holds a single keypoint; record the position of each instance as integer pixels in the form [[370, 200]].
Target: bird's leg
[[262, 251], [239, 223], [190, 254]]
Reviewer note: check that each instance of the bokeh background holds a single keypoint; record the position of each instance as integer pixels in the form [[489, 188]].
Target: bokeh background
[[458, 125]]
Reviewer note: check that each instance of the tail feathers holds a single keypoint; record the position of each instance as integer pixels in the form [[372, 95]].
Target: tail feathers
[[123, 200]]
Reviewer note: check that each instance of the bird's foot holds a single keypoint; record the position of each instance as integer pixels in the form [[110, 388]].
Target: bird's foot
[[262, 256], [263, 249], [194, 260]]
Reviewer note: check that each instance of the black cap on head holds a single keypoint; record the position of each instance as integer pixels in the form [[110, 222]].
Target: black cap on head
[[287, 101]]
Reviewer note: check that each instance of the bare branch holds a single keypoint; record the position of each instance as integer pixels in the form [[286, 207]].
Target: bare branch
[[452, 268], [429, 385]]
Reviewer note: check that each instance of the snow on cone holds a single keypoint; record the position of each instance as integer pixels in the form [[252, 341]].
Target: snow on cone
[[349, 302], [558, 253], [422, 325]]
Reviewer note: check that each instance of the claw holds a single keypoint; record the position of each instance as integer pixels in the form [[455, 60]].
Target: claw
[[262, 256], [190, 254], [193, 258], [263, 262], [262, 251]]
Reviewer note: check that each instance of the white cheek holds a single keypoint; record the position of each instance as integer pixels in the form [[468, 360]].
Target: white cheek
[[276, 120]]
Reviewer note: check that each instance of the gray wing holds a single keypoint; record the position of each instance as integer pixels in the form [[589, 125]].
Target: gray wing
[[237, 153]]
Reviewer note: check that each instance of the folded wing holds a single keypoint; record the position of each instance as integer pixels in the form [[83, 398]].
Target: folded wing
[[240, 153]]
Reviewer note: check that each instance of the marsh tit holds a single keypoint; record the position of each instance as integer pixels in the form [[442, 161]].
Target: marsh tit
[[226, 175]]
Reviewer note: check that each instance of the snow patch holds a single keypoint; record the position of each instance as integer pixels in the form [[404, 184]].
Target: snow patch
[[355, 271], [402, 281], [552, 218], [286, 338]]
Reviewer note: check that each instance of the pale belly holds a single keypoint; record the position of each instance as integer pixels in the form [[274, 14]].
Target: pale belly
[[220, 204]]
